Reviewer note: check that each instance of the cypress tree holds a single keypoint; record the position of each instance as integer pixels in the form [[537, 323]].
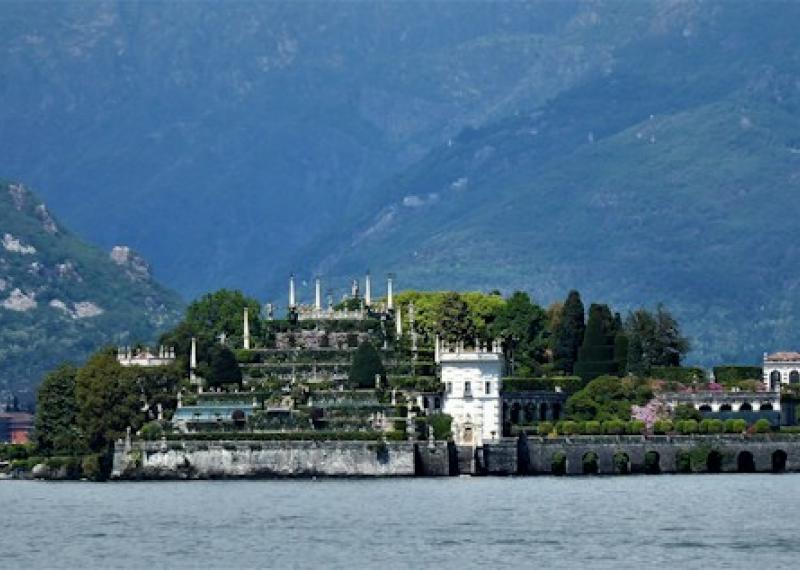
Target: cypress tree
[[365, 366], [568, 334], [596, 355]]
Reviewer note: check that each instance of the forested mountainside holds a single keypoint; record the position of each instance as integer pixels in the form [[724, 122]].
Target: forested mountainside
[[637, 151], [674, 177], [61, 298]]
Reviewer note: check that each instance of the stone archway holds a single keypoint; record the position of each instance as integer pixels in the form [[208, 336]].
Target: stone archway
[[746, 407], [745, 462], [652, 463], [714, 461], [705, 408], [558, 464], [622, 463], [725, 408], [591, 463], [779, 461], [543, 412], [765, 407], [516, 410]]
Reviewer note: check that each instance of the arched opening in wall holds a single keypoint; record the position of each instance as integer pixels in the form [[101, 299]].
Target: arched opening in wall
[[774, 380], [705, 408], [239, 418], [725, 408], [794, 377], [556, 407], [515, 413], [437, 403], [530, 413], [746, 407], [591, 463], [622, 463], [765, 407], [558, 465], [543, 411], [714, 461], [652, 463], [745, 462], [683, 461], [778, 461], [425, 403]]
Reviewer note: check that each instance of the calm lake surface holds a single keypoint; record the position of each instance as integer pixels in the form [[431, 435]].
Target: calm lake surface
[[704, 521]]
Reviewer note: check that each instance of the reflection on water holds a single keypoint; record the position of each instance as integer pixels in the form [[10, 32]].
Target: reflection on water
[[712, 521]]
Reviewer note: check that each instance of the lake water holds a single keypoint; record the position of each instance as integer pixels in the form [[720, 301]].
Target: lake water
[[705, 521]]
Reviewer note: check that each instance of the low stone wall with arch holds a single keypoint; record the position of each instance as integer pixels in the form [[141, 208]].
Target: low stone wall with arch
[[580, 455]]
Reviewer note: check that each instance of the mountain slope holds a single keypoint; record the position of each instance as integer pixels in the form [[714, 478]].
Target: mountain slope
[[220, 139], [61, 298], [673, 178]]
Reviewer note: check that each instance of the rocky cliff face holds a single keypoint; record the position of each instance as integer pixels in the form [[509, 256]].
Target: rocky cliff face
[[61, 298]]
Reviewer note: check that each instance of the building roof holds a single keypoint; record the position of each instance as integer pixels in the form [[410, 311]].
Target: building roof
[[783, 357]]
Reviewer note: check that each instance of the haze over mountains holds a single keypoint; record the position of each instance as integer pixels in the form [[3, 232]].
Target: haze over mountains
[[640, 152]]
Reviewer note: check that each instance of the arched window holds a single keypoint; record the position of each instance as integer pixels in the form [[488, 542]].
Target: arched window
[[775, 380], [794, 377], [725, 408], [746, 407], [766, 407], [556, 411], [705, 408], [542, 411]]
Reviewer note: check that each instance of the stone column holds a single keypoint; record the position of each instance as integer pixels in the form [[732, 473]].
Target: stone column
[[390, 292], [368, 291], [292, 303], [193, 359], [246, 328], [317, 294]]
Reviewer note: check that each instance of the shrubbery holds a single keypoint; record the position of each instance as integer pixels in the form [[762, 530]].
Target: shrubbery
[[762, 426], [731, 374]]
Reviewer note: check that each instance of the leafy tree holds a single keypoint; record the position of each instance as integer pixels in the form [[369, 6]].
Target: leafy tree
[[608, 397], [686, 412], [220, 366], [454, 322], [55, 425], [521, 325], [109, 400], [621, 352], [365, 366], [596, 355], [654, 340], [568, 333], [221, 312]]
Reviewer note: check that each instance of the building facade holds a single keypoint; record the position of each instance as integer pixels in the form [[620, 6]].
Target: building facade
[[472, 385], [781, 368]]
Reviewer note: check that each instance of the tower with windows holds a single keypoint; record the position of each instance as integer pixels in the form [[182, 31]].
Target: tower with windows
[[472, 384]]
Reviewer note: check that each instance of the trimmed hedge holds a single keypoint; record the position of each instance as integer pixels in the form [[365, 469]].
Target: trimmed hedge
[[568, 384], [287, 436], [731, 374], [683, 374]]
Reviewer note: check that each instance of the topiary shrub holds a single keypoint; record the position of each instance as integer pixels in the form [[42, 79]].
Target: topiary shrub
[[635, 427], [365, 366], [662, 427], [687, 427], [567, 427], [613, 427], [711, 426], [152, 431], [762, 426], [544, 428], [592, 427]]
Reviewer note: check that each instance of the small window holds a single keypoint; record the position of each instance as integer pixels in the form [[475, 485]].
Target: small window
[[488, 387], [467, 388], [449, 387]]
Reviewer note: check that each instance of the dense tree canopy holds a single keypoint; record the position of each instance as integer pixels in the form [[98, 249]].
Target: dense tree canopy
[[520, 323], [654, 340], [221, 312], [608, 397], [567, 336], [596, 355], [454, 322], [56, 430]]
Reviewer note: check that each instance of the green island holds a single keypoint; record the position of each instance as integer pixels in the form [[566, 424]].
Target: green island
[[411, 383]]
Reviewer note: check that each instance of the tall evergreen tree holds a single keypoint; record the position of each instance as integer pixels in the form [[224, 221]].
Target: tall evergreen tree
[[520, 324], [654, 340], [365, 366], [568, 333], [596, 355]]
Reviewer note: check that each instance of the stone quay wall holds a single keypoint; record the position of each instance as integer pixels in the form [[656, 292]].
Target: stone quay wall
[[536, 455], [262, 459]]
